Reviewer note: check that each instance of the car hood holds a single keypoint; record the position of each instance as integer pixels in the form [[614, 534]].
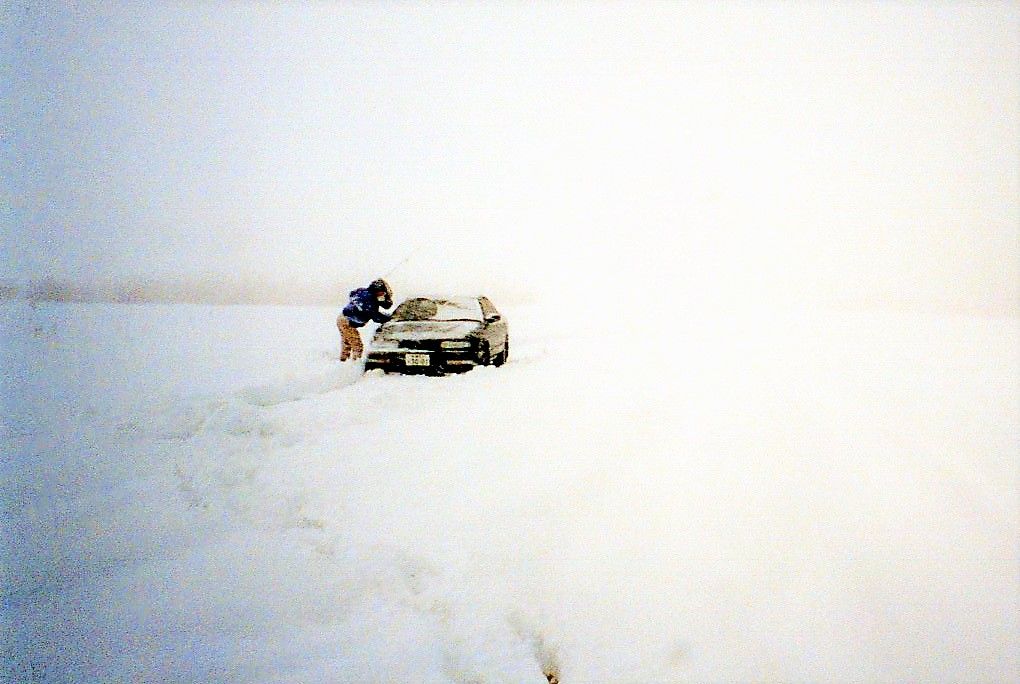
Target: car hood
[[427, 330]]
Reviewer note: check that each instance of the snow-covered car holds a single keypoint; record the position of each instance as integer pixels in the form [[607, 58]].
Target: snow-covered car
[[440, 335]]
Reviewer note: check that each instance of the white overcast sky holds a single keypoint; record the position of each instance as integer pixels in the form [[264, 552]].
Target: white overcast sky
[[847, 151]]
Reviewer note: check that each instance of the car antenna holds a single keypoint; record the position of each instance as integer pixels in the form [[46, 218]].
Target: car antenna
[[414, 250]]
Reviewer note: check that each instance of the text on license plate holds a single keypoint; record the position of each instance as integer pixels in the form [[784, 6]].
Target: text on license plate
[[416, 359]]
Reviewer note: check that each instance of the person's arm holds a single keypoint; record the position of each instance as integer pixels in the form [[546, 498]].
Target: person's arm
[[380, 317]]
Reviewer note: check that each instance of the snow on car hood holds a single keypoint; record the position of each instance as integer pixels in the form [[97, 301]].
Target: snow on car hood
[[427, 330]]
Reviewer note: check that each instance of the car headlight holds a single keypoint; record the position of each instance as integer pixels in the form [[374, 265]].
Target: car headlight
[[455, 344]]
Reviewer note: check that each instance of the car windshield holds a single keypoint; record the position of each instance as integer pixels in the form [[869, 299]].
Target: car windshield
[[425, 309]]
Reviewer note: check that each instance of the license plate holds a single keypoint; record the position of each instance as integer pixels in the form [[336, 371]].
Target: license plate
[[416, 359]]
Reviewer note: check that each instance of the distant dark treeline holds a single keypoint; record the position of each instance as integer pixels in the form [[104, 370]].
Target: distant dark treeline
[[50, 289]]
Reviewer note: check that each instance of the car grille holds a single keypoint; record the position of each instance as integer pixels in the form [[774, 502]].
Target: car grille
[[418, 344]]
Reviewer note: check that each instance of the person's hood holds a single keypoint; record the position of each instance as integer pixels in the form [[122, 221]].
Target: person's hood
[[427, 330], [381, 287]]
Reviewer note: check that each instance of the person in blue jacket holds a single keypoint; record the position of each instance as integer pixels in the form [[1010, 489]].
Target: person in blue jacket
[[363, 307]]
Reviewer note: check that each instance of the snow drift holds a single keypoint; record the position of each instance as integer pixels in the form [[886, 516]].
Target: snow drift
[[198, 493]]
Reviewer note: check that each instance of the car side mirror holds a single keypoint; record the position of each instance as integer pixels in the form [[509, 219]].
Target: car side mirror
[[492, 318]]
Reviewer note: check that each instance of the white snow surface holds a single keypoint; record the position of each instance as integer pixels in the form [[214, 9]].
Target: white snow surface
[[206, 494]]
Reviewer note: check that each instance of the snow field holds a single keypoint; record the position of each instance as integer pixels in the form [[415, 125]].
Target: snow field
[[206, 494]]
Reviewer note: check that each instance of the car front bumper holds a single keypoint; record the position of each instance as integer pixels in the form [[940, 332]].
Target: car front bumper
[[421, 361]]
